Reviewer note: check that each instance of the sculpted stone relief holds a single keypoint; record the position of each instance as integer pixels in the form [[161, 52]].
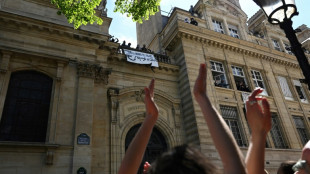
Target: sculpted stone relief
[[100, 74]]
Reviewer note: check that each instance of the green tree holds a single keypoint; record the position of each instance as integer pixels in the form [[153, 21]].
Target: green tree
[[139, 9], [82, 12]]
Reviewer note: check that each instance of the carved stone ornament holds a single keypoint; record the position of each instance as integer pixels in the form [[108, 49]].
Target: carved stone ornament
[[102, 8], [95, 71], [113, 93]]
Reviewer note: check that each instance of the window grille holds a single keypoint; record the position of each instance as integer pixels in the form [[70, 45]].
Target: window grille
[[217, 26], [258, 81], [230, 115], [26, 108], [301, 129], [285, 88], [276, 132]]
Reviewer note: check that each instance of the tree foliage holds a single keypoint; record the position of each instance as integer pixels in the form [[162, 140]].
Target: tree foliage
[[82, 12], [139, 9], [78, 12]]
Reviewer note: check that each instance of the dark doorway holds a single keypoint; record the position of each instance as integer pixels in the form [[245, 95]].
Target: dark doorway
[[155, 147]]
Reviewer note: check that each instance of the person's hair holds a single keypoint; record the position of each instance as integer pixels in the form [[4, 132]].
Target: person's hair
[[184, 159], [286, 167]]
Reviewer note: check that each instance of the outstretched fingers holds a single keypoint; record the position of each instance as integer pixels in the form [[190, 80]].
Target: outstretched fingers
[[266, 107], [151, 87], [255, 93]]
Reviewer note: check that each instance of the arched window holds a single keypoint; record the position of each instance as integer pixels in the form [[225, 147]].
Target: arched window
[[26, 108], [157, 145]]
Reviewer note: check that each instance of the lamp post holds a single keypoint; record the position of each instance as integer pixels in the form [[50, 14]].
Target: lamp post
[[280, 12]]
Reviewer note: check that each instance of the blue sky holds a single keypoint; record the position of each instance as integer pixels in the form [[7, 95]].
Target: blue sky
[[123, 28]]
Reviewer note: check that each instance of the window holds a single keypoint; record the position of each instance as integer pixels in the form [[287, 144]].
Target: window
[[258, 81], [285, 88], [288, 49], [218, 26], [233, 31], [276, 45], [26, 108], [240, 80], [231, 117], [276, 132], [300, 91], [301, 129], [218, 74]]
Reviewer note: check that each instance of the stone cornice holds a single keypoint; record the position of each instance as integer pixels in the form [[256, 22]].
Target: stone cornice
[[12, 22], [215, 39]]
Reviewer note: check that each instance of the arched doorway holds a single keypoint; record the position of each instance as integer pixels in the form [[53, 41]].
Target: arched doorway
[[157, 145]]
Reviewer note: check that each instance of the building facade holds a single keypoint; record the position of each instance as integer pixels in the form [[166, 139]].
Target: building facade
[[70, 102], [241, 54]]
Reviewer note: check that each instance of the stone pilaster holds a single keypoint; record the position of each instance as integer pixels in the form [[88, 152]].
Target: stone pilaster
[[4, 61], [88, 74], [225, 26]]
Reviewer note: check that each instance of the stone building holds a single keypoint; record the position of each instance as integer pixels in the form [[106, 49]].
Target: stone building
[[69, 100], [240, 54]]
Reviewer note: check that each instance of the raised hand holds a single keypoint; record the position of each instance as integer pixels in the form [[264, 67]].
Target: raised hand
[[259, 118], [146, 167], [150, 105], [223, 139], [200, 84], [135, 151]]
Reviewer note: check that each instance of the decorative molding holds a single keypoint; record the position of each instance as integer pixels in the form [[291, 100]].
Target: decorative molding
[[113, 93], [26, 24], [60, 68], [95, 71], [237, 49]]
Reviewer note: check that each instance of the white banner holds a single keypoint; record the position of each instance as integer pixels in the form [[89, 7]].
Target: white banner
[[140, 57]]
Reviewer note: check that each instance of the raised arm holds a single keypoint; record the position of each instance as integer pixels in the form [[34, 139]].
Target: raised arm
[[259, 119], [136, 149], [223, 139]]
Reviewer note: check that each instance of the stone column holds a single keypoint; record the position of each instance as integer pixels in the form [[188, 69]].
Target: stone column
[[225, 26], [282, 45], [88, 74], [243, 29]]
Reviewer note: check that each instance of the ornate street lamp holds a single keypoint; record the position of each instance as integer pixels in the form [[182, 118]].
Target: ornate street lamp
[[280, 12]]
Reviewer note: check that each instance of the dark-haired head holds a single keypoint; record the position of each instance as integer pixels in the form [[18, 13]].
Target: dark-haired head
[[183, 159], [286, 167]]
